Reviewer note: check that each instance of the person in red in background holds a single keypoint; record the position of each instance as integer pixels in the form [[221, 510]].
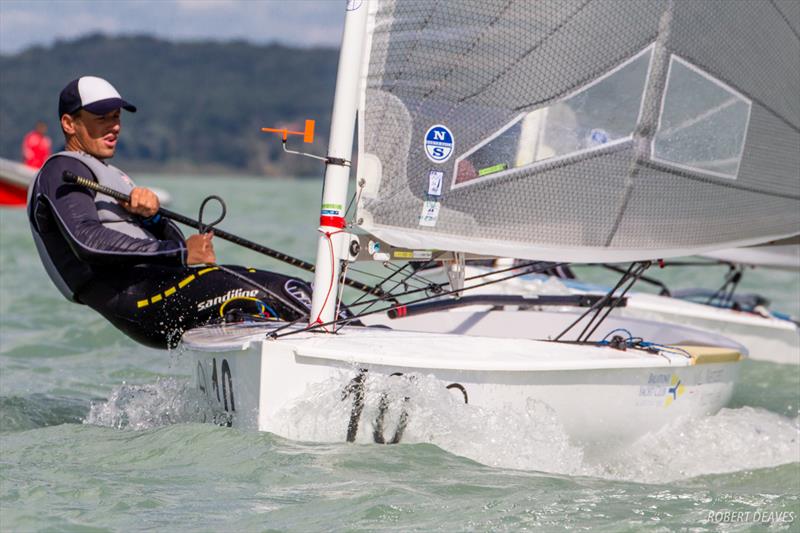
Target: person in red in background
[[36, 146]]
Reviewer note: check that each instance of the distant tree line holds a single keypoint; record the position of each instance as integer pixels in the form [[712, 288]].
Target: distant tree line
[[201, 104]]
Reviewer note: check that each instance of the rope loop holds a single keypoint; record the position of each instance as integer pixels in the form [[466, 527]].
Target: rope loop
[[205, 228]]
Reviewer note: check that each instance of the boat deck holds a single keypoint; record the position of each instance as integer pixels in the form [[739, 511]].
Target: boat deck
[[380, 346]]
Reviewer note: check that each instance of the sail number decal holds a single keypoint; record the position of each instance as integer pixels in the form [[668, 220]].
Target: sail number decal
[[221, 388], [439, 143], [355, 390]]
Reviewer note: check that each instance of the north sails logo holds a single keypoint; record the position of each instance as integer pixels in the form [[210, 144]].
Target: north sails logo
[[230, 295]]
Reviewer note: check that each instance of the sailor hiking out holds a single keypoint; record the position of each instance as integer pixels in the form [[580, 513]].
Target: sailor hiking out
[[123, 259]]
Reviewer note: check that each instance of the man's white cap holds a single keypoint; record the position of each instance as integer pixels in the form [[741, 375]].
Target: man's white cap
[[93, 94]]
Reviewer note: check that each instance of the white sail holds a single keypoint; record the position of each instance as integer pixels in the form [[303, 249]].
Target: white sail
[[580, 130]]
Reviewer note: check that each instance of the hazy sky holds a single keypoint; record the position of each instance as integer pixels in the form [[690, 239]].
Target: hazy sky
[[24, 23]]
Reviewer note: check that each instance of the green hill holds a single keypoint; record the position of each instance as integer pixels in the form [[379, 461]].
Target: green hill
[[201, 105]]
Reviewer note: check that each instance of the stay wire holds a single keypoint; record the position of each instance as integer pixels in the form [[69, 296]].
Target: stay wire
[[732, 278], [397, 284], [373, 275], [612, 302], [525, 268], [413, 274], [312, 327], [381, 284], [598, 304], [736, 279], [599, 310], [423, 279], [643, 266], [343, 275]]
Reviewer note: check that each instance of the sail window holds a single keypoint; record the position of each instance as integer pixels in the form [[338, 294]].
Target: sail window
[[703, 122], [601, 113]]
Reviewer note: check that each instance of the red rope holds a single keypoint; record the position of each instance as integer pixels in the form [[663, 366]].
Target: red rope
[[318, 320]]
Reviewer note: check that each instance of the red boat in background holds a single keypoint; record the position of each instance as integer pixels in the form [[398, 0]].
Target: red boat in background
[[14, 180]]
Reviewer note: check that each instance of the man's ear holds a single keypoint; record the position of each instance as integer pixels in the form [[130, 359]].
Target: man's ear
[[68, 124]]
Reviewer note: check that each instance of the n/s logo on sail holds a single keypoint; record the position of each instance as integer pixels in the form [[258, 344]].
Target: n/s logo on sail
[[438, 143]]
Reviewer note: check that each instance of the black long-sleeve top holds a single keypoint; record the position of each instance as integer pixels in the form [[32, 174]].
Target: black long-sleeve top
[[79, 245]]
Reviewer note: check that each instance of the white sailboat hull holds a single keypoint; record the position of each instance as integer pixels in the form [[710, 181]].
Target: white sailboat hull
[[601, 396], [767, 338]]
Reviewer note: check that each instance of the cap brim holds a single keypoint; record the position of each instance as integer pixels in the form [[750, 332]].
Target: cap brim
[[101, 107]]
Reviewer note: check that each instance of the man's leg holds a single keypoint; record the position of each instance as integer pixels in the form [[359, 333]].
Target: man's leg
[[155, 305]]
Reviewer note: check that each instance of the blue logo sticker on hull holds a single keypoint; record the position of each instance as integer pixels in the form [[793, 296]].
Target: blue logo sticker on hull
[[439, 144]]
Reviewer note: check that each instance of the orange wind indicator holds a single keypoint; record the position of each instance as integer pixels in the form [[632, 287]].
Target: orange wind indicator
[[307, 133]]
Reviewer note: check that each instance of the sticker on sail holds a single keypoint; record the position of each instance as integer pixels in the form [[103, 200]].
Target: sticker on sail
[[500, 167], [435, 179], [438, 143], [352, 5], [598, 136], [430, 213]]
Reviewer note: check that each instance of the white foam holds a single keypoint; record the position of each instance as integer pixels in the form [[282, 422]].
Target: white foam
[[732, 440], [165, 402], [533, 438], [525, 439]]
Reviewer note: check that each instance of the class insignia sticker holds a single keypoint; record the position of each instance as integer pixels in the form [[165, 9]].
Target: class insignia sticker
[[435, 179], [439, 144]]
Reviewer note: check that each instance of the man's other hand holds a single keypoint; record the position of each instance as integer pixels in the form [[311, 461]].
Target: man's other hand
[[143, 202], [200, 249]]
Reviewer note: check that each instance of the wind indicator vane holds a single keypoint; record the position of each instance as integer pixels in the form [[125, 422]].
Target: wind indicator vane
[[307, 133], [308, 137]]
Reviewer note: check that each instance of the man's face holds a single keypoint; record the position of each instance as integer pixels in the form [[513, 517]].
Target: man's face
[[93, 134]]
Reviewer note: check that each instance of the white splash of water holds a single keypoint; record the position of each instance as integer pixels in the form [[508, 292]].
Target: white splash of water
[[732, 440], [420, 409], [165, 402], [533, 438]]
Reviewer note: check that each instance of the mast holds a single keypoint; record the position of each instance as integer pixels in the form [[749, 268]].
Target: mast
[[337, 171]]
